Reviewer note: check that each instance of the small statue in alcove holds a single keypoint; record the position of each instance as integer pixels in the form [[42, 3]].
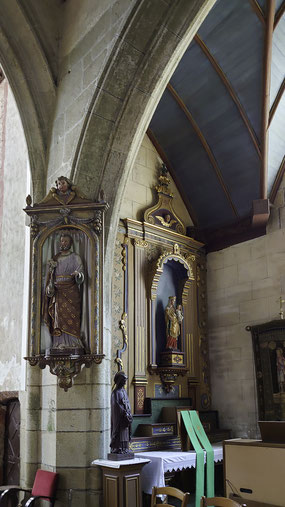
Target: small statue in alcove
[[121, 419], [173, 320]]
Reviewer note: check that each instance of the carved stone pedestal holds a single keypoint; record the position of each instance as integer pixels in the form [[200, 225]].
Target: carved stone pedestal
[[121, 482]]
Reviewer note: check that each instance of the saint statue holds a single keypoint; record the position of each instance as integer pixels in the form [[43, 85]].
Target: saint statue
[[62, 299], [173, 319], [121, 419]]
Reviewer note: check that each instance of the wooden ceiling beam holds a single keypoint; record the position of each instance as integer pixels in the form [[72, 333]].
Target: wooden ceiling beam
[[205, 145], [180, 189], [223, 237], [231, 91], [266, 96], [276, 101], [258, 11], [277, 181], [279, 14]]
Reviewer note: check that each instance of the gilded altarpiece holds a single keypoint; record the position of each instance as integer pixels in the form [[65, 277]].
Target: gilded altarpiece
[[145, 252], [66, 281]]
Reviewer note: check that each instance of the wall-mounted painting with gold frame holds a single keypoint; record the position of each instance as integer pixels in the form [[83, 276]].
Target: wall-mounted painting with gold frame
[[66, 281]]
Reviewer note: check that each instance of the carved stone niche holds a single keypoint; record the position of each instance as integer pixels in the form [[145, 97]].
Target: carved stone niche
[[66, 282]]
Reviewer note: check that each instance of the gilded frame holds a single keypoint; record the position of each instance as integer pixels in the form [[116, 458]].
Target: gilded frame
[[48, 217]]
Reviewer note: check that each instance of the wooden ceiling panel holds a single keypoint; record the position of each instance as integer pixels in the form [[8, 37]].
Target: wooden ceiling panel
[[191, 162], [211, 124], [278, 59], [212, 107], [237, 45]]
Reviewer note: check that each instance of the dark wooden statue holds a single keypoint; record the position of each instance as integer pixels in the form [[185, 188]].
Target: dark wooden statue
[[121, 419]]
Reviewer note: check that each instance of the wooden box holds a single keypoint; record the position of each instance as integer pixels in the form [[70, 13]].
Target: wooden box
[[249, 503], [255, 470]]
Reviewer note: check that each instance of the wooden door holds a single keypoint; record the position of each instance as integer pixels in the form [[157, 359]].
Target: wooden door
[[12, 444]]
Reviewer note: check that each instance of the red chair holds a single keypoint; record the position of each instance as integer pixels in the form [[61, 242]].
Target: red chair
[[44, 487]]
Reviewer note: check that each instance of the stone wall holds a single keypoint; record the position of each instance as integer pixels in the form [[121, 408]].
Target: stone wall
[[89, 33], [13, 183], [244, 286]]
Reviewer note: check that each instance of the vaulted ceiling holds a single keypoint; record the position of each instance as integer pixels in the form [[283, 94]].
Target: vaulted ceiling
[[220, 124]]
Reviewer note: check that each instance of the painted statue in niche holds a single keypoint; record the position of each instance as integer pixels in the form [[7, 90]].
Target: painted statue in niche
[[121, 419], [62, 298], [65, 292], [173, 320]]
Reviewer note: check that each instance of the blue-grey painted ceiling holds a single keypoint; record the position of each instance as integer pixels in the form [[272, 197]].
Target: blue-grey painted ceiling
[[208, 124]]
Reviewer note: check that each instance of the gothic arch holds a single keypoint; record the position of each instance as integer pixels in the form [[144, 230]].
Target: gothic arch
[[155, 37]]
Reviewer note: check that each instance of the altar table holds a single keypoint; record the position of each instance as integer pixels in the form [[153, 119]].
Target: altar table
[[167, 461]]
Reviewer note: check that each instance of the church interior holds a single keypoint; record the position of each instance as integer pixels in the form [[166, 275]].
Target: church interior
[[142, 250]]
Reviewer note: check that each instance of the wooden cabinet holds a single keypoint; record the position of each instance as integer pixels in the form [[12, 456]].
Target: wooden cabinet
[[121, 482], [255, 470]]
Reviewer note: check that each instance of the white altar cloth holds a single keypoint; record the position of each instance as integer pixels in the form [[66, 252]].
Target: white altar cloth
[[152, 474]]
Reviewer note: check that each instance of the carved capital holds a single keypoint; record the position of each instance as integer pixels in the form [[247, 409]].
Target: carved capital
[[140, 243]]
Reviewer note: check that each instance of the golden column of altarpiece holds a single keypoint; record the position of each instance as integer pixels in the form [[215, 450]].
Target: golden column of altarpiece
[[66, 281]]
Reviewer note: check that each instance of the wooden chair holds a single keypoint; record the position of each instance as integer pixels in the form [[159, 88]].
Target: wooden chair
[[218, 502], [169, 491], [44, 487]]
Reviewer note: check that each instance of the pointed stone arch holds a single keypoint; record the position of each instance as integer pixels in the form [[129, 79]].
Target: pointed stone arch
[[138, 70]]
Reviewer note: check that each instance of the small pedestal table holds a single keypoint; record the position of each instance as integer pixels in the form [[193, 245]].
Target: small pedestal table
[[121, 481]]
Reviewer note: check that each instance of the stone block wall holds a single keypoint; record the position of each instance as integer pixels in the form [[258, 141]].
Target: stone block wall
[[65, 431], [245, 282]]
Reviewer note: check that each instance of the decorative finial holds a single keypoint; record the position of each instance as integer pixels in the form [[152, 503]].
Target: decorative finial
[[164, 182]]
